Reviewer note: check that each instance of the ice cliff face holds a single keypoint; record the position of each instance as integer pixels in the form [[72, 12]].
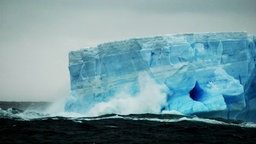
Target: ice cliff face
[[196, 73]]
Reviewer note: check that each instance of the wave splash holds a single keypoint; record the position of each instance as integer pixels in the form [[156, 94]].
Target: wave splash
[[150, 99]]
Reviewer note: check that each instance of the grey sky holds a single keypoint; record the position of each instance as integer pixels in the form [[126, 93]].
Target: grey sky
[[36, 35]]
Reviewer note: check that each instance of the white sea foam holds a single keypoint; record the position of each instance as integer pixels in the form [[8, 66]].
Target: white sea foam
[[150, 99]]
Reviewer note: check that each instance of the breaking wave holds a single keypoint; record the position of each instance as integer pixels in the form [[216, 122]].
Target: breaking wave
[[150, 99]]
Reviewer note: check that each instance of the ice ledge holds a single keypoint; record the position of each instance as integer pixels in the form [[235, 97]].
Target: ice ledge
[[77, 57]]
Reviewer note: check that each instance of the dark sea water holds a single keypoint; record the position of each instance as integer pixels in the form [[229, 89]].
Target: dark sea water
[[19, 126]]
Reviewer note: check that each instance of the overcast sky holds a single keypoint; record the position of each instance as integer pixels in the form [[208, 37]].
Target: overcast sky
[[36, 35]]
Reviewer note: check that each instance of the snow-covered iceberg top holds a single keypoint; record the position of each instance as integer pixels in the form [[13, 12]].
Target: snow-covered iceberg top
[[187, 73]]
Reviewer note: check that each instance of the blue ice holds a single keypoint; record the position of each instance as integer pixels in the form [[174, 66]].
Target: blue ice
[[188, 73]]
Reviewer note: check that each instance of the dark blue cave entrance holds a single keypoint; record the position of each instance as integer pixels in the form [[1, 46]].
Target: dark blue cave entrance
[[197, 92]]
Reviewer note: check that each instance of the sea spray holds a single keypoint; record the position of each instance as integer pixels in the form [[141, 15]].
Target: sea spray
[[149, 99]]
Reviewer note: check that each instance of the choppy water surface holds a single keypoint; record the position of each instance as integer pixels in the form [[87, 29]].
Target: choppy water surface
[[32, 127]]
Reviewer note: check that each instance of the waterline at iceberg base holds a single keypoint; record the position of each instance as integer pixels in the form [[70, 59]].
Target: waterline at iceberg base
[[207, 74]]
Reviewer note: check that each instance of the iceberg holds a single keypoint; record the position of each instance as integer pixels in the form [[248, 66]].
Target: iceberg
[[208, 74]]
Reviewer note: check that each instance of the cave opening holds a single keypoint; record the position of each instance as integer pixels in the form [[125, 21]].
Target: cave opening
[[197, 92]]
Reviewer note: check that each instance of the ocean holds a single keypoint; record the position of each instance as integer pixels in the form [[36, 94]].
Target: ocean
[[19, 125]]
